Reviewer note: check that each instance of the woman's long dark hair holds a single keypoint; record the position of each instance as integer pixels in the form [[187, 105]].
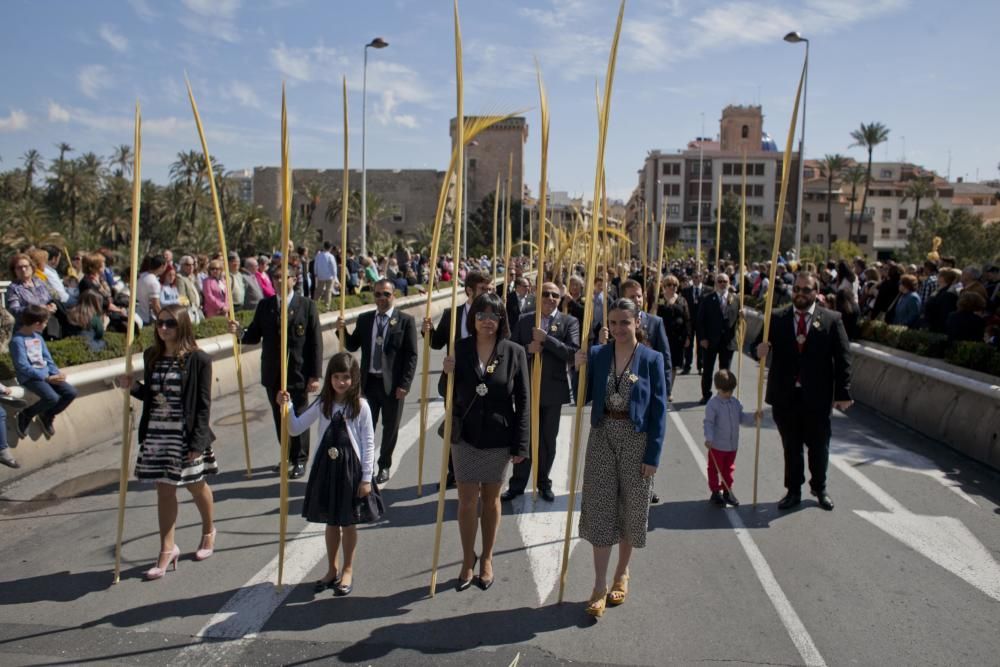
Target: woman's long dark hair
[[186, 342], [90, 304], [489, 301], [342, 362], [629, 306]]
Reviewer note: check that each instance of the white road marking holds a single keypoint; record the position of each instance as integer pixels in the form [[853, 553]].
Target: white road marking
[[943, 539], [249, 609], [789, 617], [892, 456], [542, 524]]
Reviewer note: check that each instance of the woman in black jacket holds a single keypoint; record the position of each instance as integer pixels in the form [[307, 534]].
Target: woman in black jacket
[[491, 399], [174, 435]]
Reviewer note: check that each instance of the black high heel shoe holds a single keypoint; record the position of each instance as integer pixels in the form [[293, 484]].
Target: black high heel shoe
[[462, 585], [484, 584]]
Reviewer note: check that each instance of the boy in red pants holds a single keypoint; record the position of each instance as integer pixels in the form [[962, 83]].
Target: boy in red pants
[[723, 416]]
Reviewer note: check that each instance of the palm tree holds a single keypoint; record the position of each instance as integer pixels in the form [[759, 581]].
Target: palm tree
[[32, 163], [917, 189], [63, 149], [869, 136], [314, 192], [122, 157], [832, 164], [853, 176]]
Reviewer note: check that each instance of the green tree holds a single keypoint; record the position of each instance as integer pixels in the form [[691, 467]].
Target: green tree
[[853, 176], [963, 236], [32, 162], [917, 189], [869, 136], [832, 166]]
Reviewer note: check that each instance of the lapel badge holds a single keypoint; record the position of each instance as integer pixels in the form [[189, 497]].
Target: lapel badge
[[393, 322], [553, 328], [816, 324], [300, 330], [633, 377]]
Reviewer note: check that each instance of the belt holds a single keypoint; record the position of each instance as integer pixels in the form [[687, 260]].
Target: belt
[[618, 414]]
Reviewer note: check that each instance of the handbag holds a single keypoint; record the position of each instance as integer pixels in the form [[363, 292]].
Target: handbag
[[881, 317], [456, 424], [371, 508]]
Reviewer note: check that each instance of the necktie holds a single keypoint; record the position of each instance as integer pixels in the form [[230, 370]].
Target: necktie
[[377, 355], [800, 331]]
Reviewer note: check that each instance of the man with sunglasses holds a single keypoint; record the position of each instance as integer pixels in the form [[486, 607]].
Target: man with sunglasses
[[716, 329], [388, 341], [810, 373], [557, 339], [305, 357]]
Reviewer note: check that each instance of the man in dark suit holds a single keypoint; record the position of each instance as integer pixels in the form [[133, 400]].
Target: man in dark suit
[[691, 290], [388, 341], [716, 327], [810, 374], [518, 300], [557, 339], [305, 357]]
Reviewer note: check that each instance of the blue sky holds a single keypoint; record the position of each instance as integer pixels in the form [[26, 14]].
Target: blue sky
[[74, 70]]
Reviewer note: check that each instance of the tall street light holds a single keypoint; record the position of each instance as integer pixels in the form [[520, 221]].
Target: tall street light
[[794, 38], [377, 43]]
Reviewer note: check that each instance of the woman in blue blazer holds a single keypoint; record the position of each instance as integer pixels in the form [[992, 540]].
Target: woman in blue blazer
[[627, 384]]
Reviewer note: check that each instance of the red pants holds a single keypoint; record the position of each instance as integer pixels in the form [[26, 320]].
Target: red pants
[[727, 464]]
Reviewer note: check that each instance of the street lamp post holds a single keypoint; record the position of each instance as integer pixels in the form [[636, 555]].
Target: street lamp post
[[377, 43], [795, 38]]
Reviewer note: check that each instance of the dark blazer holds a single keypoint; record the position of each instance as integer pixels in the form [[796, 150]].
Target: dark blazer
[[656, 338], [513, 307], [305, 341], [561, 344], [196, 397], [439, 337], [718, 329], [648, 403], [824, 366], [399, 351], [572, 307], [693, 300], [499, 419]]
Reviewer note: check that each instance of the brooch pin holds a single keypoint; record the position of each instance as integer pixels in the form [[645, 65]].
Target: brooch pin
[[633, 377], [815, 324], [160, 400], [800, 339], [393, 322], [333, 453], [481, 389], [492, 367], [553, 328]]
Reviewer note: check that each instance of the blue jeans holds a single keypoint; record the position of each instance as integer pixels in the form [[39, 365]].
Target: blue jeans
[[52, 399], [3, 429]]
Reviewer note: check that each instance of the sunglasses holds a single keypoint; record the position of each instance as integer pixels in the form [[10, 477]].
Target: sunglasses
[[551, 295], [383, 295], [803, 290], [487, 317], [166, 324]]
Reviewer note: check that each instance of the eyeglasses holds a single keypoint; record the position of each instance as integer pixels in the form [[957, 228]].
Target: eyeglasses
[[551, 295], [382, 295], [487, 317], [803, 290], [23, 266], [722, 281], [166, 324]]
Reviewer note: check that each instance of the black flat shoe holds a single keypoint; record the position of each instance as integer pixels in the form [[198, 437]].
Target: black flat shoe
[[340, 590], [298, 470], [462, 585], [547, 495], [509, 495], [321, 585], [654, 499], [383, 476], [789, 501], [716, 498], [730, 498], [824, 500]]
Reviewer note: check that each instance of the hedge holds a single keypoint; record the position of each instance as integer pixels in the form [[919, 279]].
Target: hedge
[[76, 351], [975, 356]]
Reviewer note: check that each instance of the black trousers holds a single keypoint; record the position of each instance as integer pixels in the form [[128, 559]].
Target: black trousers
[[298, 446], [548, 431], [798, 426], [690, 351], [391, 409], [708, 356]]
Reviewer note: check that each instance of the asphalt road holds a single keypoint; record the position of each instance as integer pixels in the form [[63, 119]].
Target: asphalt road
[[903, 572]]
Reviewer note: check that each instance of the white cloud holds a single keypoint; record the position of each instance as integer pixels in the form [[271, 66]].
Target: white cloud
[[242, 93], [114, 39], [143, 10], [17, 120], [385, 112], [93, 79], [216, 18], [318, 63], [58, 114]]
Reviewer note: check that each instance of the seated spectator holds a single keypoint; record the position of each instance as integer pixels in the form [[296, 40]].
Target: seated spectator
[[189, 289], [393, 273], [237, 286], [971, 282], [37, 373], [27, 290], [966, 322], [148, 289], [202, 268], [944, 301], [88, 319], [213, 291], [51, 271], [907, 310], [169, 293], [7, 402], [252, 292], [263, 276]]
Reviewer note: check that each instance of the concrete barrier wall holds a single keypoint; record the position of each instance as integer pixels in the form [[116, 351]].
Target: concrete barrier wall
[[956, 406], [96, 415]]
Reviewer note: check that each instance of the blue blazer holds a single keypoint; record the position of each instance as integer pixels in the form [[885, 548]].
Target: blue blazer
[[648, 404], [656, 337]]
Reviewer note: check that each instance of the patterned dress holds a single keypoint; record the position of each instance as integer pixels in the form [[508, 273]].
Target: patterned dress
[[163, 454], [615, 504]]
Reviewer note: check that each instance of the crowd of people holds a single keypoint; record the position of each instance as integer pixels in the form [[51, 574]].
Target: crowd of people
[[638, 343]]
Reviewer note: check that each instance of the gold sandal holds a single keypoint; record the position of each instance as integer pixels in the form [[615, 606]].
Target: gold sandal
[[597, 602], [619, 592]]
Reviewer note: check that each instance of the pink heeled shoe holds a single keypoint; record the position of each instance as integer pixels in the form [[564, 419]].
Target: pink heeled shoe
[[202, 554], [157, 572]]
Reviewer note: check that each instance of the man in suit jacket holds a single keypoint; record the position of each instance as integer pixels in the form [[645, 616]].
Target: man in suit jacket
[[810, 374], [557, 339], [305, 357], [388, 341], [691, 290], [519, 301], [716, 327]]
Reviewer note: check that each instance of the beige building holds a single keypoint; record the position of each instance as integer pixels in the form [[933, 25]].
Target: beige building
[[490, 154], [687, 181]]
